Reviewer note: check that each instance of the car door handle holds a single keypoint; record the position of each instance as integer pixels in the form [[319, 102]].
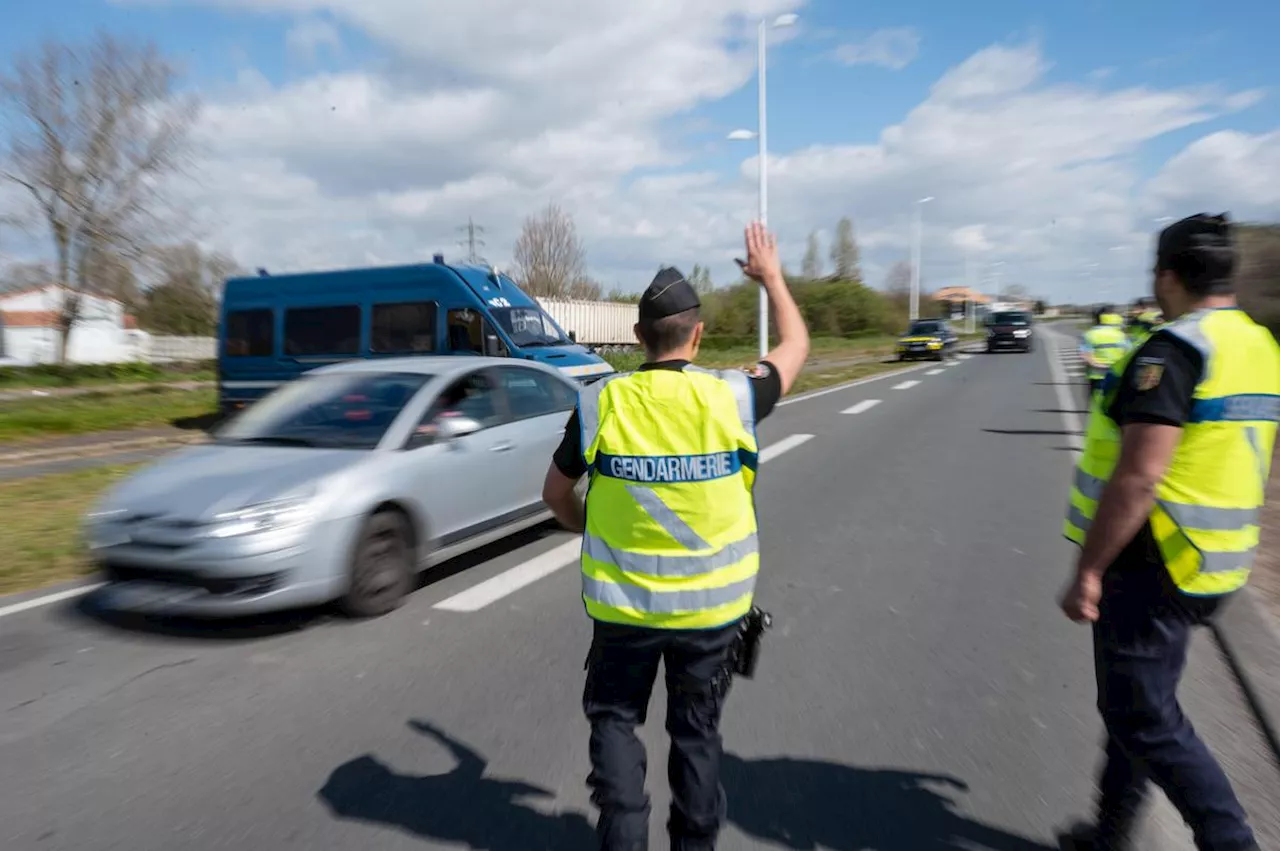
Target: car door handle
[[502, 447]]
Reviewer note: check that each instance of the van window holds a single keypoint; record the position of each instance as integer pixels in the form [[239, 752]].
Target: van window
[[250, 334], [405, 328], [322, 330], [467, 330]]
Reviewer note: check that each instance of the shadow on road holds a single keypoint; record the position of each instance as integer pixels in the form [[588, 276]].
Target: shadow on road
[[462, 806], [205, 422], [252, 627], [809, 804], [1050, 431], [1083, 412]]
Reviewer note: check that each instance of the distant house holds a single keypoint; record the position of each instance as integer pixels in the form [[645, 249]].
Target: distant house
[[955, 301], [29, 319]]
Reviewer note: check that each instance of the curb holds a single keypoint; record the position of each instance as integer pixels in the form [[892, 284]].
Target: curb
[[92, 450], [1251, 644]]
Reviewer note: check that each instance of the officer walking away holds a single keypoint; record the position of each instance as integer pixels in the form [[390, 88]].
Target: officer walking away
[[1103, 345], [1165, 504], [670, 551]]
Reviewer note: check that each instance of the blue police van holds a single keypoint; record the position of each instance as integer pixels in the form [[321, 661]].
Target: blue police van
[[275, 327]]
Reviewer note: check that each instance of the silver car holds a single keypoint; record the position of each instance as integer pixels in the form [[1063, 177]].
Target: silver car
[[341, 485]]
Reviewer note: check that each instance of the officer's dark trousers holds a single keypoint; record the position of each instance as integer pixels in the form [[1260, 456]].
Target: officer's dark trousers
[[1140, 650], [621, 670]]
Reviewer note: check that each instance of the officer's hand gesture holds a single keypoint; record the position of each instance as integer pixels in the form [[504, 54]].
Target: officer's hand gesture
[[762, 262]]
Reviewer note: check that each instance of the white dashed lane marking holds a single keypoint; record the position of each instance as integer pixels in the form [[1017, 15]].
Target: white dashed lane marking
[[906, 385], [934, 372], [864, 405]]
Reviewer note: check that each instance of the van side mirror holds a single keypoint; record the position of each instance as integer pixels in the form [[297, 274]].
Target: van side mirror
[[493, 346]]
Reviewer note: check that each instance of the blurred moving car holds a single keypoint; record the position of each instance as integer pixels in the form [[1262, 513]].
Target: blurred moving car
[[1010, 329], [340, 485], [927, 338]]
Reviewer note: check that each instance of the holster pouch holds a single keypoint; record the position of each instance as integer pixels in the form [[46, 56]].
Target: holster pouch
[[746, 647]]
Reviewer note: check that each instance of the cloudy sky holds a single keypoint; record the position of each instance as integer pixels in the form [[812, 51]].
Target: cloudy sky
[[1053, 137]]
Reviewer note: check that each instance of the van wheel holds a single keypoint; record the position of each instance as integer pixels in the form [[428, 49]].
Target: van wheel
[[381, 567]]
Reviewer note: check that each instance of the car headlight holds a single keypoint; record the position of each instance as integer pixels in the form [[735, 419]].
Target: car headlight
[[1021, 332], [264, 517], [935, 344]]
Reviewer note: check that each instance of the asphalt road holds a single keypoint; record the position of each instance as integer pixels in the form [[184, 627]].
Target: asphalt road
[[919, 690]]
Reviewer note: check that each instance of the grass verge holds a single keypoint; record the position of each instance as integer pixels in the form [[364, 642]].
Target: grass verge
[[40, 525], [57, 376], [30, 420]]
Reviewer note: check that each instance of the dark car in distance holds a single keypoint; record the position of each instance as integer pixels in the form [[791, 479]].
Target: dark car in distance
[[1010, 329]]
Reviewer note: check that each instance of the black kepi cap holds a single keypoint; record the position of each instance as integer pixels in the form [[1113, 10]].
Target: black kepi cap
[[668, 295]]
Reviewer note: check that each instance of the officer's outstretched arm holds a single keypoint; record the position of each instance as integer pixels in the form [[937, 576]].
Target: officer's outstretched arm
[[560, 496], [763, 265]]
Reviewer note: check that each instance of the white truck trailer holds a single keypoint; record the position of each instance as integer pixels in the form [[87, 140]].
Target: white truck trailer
[[595, 323]]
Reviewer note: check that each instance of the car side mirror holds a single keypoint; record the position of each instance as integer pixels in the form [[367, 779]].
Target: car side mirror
[[451, 428], [493, 346], [573, 336]]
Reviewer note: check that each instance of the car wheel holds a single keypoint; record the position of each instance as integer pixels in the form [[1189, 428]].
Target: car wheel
[[381, 567]]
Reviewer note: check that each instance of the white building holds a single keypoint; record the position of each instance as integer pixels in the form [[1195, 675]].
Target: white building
[[102, 333]]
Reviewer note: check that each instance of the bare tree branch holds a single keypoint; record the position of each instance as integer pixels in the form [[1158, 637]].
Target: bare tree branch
[[550, 260], [94, 131]]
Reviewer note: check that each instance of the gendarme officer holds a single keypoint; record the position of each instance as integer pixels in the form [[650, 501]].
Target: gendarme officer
[[1165, 505], [670, 549]]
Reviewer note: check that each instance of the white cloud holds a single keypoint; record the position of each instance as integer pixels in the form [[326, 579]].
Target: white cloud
[[894, 48], [1228, 170], [307, 37], [490, 109]]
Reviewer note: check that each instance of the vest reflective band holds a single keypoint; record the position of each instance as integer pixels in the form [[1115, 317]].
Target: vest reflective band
[[1205, 517], [670, 540], [1108, 343]]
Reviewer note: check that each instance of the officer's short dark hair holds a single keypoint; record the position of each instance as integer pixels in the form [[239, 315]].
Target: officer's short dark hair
[[1200, 250], [669, 332]]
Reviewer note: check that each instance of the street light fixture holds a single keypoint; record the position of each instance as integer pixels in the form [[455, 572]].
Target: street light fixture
[[761, 134], [915, 259]]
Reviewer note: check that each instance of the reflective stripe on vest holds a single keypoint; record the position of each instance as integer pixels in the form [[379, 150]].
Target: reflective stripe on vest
[[671, 539], [1207, 507]]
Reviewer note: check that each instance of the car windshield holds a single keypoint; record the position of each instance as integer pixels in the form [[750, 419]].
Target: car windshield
[[1010, 319], [924, 328], [340, 410], [529, 327]]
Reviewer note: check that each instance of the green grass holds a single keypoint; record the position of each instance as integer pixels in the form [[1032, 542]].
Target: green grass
[[101, 375], [108, 411], [40, 525]]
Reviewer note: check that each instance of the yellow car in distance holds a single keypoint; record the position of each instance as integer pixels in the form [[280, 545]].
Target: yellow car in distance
[[927, 338]]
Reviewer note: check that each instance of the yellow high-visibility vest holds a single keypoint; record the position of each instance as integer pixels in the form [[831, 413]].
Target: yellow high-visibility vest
[[1108, 344], [670, 539], [1206, 513]]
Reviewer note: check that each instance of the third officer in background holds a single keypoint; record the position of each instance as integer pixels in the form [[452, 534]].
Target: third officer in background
[[670, 551], [1103, 345], [1165, 505]]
